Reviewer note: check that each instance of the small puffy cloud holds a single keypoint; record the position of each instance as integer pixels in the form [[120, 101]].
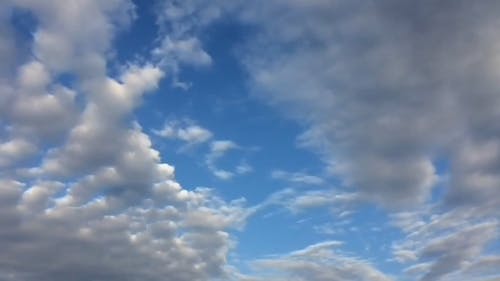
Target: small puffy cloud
[[380, 96], [185, 131], [15, 150], [95, 201], [219, 148], [243, 168]]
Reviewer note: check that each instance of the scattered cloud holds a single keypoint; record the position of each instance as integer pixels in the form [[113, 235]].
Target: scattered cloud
[[383, 99], [444, 246], [218, 149], [297, 177], [84, 195], [318, 262], [186, 131]]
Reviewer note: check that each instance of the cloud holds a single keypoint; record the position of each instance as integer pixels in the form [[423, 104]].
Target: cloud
[[243, 168], [192, 134], [218, 149], [297, 177], [341, 204], [381, 94], [385, 102], [15, 150], [445, 245], [189, 132], [318, 262], [382, 97], [85, 195]]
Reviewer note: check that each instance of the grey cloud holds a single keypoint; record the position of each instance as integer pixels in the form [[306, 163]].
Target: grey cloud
[[102, 205], [386, 91], [380, 89], [319, 262], [445, 245], [218, 148], [451, 251]]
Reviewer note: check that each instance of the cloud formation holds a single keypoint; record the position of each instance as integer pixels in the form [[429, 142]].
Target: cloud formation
[[84, 195], [189, 132], [320, 262], [393, 96]]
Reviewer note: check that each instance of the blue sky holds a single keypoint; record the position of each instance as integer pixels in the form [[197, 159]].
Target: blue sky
[[265, 140]]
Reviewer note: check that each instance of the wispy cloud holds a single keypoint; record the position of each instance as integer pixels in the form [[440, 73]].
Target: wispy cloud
[[297, 177], [186, 131]]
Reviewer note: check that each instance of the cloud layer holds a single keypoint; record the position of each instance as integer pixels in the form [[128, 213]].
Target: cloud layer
[[84, 195], [398, 98]]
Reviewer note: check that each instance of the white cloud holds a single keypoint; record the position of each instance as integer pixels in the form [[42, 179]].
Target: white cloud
[[243, 168], [192, 135], [318, 262], [15, 150], [99, 202], [186, 131], [297, 177], [340, 204], [381, 97], [186, 51], [218, 148]]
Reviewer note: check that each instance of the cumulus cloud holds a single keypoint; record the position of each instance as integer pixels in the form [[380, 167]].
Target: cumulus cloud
[[380, 92], [83, 194]]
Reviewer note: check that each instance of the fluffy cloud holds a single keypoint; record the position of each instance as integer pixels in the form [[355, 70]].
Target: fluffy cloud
[[382, 95], [84, 195]]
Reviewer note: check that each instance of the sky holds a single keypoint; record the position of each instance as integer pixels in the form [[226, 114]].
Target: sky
[[229, 140]]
